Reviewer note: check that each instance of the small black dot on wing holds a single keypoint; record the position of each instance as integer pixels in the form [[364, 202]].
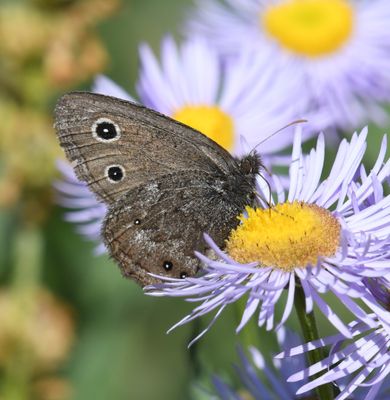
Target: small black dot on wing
[[115, 173], [167, 265]]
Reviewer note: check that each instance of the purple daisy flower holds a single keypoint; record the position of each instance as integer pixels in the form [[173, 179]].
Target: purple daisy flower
[[260, 380], [320, 235], [358, 366], [226, 101], [338, 49]]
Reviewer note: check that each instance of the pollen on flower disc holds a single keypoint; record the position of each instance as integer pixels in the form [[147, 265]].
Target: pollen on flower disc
[[288, 236], [209, 120], [310, 27]]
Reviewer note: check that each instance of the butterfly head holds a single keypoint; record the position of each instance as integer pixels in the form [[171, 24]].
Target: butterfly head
[[251, 164], [243, 180]]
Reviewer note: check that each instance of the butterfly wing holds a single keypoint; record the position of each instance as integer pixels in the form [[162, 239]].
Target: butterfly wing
[[156, 227], [115, 145]]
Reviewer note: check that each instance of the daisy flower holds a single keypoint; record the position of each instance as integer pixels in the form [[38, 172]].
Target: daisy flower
[[357, 366], [228, 102], [241, 102], [318, 237], [339, 49], [260, 380]]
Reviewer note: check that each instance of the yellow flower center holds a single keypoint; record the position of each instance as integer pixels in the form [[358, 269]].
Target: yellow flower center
[[288, 236], [310, 27], [211, 121]]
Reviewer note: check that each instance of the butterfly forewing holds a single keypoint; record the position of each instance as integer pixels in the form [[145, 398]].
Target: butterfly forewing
[[98, 132]]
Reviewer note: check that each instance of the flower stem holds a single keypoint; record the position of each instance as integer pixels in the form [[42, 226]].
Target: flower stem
[[310, 332]]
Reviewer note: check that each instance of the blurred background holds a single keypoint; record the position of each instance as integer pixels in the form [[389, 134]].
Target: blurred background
[[70, 326]]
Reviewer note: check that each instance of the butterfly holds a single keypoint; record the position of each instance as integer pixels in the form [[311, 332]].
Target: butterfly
[[164, 183]]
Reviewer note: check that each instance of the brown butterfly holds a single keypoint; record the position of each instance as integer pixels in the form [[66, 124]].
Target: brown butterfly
[[164, 183]]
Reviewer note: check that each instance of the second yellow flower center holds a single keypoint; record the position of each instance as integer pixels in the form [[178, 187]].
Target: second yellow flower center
[[211, 121], [288, 236], [310, 27]]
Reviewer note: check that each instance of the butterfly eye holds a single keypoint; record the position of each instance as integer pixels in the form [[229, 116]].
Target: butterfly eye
[[115, 173], [105, 130], [167, 265]]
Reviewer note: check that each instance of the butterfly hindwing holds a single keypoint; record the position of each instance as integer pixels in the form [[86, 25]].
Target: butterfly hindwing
[[155, 228]]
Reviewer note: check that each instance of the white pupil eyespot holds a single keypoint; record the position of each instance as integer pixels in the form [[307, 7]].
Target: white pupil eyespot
[[105, 130], [115, 173]]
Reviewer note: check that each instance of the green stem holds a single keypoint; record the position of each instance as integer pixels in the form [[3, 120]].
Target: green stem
[[310, 333]]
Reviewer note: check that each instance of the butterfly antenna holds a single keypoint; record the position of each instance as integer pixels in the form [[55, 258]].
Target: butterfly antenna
[[297, 121]]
